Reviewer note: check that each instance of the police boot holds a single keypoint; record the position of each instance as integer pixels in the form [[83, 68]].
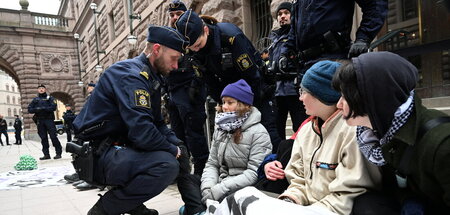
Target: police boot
[[46, 157], [142, 210], [97, 209], [72, 178]]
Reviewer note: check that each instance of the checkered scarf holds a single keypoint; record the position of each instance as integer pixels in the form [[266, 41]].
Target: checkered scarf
[[230, 121], [368, 142]]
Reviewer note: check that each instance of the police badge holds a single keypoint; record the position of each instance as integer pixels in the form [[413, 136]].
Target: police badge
[[142, 98], [244, 62]]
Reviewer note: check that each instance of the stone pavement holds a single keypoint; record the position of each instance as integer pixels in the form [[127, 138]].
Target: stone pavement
[[62, 199]]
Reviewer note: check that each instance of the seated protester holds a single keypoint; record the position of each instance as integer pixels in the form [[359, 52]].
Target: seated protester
[[240, 143], [271, 177], [326, 168], [395, 131]]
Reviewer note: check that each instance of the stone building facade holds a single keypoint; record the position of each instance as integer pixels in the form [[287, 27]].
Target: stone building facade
[[9, 98], [35, 49], [109, 26]]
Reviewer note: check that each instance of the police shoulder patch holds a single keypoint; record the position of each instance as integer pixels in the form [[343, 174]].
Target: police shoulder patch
[[145, 74], [142, 98], [244, 62]]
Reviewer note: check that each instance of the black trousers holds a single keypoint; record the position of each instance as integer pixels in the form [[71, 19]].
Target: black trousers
[[293, 106], [137, 175], [187, 119], [69, 134], [268, 109], [45, 126], [189, 187], [6, 135], [18, 137]]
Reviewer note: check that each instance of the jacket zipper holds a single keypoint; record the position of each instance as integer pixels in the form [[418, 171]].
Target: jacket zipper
[[315, 151]]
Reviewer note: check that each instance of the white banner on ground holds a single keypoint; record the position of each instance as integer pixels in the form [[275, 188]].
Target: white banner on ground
[[42, 177], [250, 201]]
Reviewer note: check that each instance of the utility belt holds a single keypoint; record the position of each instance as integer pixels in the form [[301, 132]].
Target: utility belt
[[331, 42], [85, 155]]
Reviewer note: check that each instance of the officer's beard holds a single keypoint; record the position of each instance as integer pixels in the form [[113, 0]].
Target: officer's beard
[[159, 66]]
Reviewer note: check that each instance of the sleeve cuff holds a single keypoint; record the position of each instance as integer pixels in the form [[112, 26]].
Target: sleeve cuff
[[173, 149]]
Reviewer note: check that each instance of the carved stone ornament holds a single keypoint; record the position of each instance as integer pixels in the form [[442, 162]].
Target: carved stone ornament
[[55, 63]]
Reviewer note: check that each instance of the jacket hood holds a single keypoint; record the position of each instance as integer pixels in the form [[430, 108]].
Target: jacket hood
[[254, 118], [385, 81]]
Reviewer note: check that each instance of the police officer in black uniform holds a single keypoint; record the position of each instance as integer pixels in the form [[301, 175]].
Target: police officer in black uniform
[[43, 107], [68, 117], [286, 93], [226, 55], [187, 96], [140, 160], [3, 130], [18, 130], [320, 29]]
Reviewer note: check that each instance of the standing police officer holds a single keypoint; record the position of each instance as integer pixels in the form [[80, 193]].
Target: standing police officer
[[3, 130], [43, 107], [286, 92], [18, 130], [126, 108], [68, 117], [187, 97], [320, 29], [227, 55]]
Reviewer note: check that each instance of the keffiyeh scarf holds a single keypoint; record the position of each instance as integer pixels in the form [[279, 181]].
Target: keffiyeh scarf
[[230, 121], [368, 142]]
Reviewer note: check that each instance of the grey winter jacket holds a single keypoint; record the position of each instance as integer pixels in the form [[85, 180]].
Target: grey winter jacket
[[232, 166]]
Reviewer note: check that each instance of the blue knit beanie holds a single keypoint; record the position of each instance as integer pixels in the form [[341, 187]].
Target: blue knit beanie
[[240, 91], [317, 81]]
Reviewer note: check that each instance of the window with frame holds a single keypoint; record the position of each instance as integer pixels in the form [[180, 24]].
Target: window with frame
[[262, 19], [409, 9]]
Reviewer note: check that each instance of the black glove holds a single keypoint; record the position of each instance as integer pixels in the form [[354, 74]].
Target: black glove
[[358, 47], [287, 62], [283, 62], [183, 159], [268, 91]]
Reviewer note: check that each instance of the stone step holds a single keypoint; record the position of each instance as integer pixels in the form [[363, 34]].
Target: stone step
[[436, 102], [446, 110]]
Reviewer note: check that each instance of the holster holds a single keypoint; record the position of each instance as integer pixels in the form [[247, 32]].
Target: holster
[[85, 156]]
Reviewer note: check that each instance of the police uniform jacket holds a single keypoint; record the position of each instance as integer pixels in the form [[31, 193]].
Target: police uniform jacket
[[3, 125], [228, 38], [284, 86], [184, 75], [43, 106], [313, 18], [68, 117], [18, 125], [127, 99]]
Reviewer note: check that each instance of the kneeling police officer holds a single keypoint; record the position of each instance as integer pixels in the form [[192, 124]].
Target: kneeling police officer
[[136, 152]]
